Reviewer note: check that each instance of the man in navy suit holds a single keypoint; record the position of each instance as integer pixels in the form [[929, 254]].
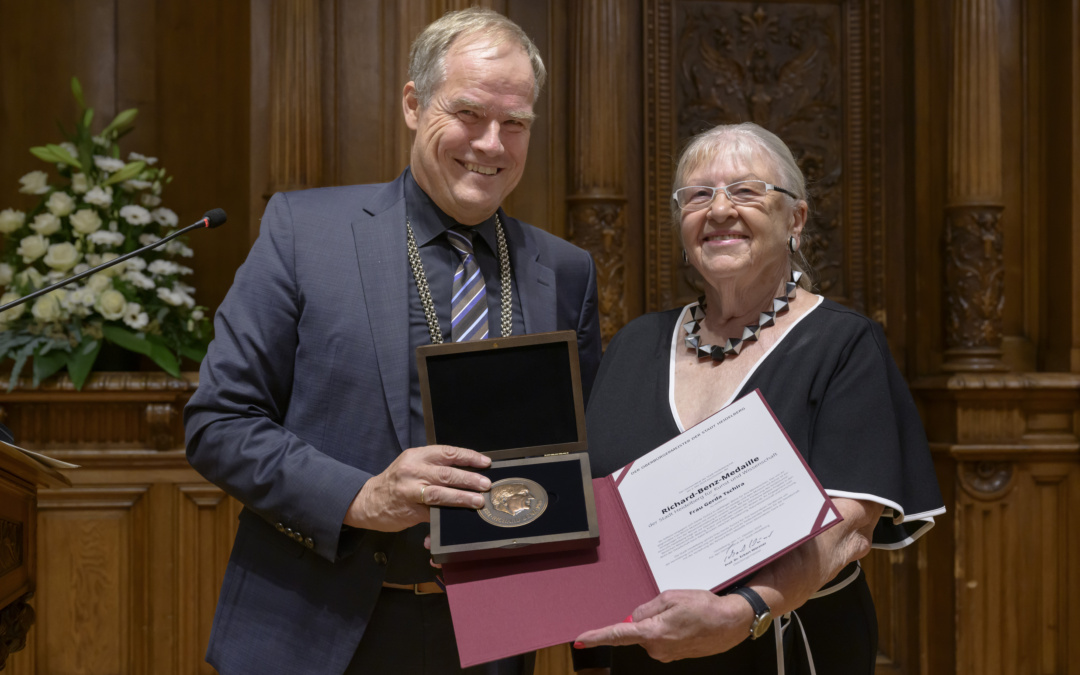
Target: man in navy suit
[[308, 408]]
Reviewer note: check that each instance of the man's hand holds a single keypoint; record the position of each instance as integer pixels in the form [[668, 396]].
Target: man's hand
[[679, 625], [391, 501]]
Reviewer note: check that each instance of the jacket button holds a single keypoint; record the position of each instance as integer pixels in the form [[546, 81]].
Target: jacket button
[[279, 527], [380, 558], [309, 542], [296, 536]]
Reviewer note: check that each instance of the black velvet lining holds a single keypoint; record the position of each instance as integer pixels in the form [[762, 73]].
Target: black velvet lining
[[565, 513], [503, 399]]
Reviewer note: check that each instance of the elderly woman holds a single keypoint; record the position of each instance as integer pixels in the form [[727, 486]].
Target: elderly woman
[[826, 371]]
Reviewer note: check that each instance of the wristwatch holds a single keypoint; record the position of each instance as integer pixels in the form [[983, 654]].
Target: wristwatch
[[762, 615]]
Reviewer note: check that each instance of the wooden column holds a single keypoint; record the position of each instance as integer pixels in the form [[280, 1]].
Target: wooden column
[[295, 134], [596, 203], [974, 266]]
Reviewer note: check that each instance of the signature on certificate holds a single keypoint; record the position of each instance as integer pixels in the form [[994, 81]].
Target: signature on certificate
[[740, 550]]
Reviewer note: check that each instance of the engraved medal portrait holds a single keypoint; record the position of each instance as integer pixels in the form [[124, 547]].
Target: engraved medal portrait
[[512, 502]]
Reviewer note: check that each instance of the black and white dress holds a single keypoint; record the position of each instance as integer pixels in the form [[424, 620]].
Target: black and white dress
[[835, 388]]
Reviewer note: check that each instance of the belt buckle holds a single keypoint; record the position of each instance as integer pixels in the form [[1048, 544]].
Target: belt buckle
[[416, 590]]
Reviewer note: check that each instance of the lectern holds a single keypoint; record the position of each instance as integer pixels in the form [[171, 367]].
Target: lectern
[[20, 478]]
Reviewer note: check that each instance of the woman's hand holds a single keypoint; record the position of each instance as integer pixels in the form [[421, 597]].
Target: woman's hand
[[679, 625]]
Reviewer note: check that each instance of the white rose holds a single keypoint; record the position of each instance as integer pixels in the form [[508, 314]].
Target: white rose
[[85, 221], [99, 196], [47, 307], [149, 200], [99, 282], [9, 315], [136, 215], [62, 257], [100, 140], [115, 269], [33, 247], [45, 224], [165, 217], [105, 238], [146, 239], [197, 315], [35, 183], [70, 147], [137, 264], [30, 277], [111, 304], [11, 220], [80, 183], [60, 203], [109, 164], [6, 275]]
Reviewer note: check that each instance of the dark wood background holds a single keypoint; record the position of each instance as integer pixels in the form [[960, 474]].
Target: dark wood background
[[942, 143]]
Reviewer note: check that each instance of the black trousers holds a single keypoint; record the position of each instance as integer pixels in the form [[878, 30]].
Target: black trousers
[[411, 633]]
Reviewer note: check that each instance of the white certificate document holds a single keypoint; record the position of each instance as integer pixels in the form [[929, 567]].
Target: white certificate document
[[722, 499]]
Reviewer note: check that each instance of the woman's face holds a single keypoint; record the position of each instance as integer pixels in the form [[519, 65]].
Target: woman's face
[[743, 243]]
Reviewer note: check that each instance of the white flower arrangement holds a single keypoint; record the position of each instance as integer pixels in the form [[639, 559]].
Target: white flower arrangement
[[100, 208]]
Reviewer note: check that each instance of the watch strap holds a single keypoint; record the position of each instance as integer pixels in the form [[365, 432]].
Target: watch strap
[[761, 609]]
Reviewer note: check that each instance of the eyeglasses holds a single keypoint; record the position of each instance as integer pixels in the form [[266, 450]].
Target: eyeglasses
[[697, 197]]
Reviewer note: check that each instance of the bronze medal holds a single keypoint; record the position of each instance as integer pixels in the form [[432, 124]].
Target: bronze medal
[[512, 502]]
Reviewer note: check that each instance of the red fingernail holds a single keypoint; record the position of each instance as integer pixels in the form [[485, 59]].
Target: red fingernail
[[579, 645], [629, 619]]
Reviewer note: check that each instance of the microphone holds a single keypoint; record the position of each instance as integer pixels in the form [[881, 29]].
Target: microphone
[[212, 218]]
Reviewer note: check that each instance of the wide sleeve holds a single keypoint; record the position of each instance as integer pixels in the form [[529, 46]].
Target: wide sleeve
[[234, 421], [867, 441]]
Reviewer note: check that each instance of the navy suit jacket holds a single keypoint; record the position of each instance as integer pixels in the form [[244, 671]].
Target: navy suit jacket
[[304, 396]]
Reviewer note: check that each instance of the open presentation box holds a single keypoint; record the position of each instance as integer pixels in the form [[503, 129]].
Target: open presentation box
[[519, 401]]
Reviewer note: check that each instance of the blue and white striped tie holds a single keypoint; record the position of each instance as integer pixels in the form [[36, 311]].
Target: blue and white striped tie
[[469, 314]]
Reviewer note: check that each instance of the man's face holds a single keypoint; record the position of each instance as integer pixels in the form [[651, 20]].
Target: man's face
[[473, 136]]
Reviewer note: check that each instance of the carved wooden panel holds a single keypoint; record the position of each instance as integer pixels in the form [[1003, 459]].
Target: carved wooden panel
[[811, 72]]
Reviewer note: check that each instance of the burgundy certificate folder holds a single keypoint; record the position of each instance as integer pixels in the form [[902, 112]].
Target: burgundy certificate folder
[[717, 479]]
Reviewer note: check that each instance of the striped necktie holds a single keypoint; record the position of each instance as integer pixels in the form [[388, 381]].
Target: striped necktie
[[469, 313]]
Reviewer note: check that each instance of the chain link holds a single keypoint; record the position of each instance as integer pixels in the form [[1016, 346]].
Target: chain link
[[422, 288]]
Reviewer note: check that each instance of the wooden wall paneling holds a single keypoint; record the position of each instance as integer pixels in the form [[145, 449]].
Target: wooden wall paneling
[[540, 198], [35, 71], [599, 37], [204, 531], [296, 118], [974, 263], [800, 70], [92, 612], [1058, 106]]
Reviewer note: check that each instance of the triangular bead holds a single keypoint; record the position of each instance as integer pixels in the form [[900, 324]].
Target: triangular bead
[[717, 354], [790, 289], [780, 305], [697, 313], [751, 333], [691, 327], [705, 351], [733, 346], [766, 319], [692, 341], [796, 275]]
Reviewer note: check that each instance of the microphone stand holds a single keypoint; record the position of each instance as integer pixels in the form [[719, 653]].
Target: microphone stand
[[211, 219]]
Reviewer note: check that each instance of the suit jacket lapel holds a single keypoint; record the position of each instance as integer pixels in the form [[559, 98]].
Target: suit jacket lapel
[[381, 253], [535, 281]]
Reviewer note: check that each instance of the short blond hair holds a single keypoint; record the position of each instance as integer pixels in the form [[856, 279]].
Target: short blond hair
[[427, 58]]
